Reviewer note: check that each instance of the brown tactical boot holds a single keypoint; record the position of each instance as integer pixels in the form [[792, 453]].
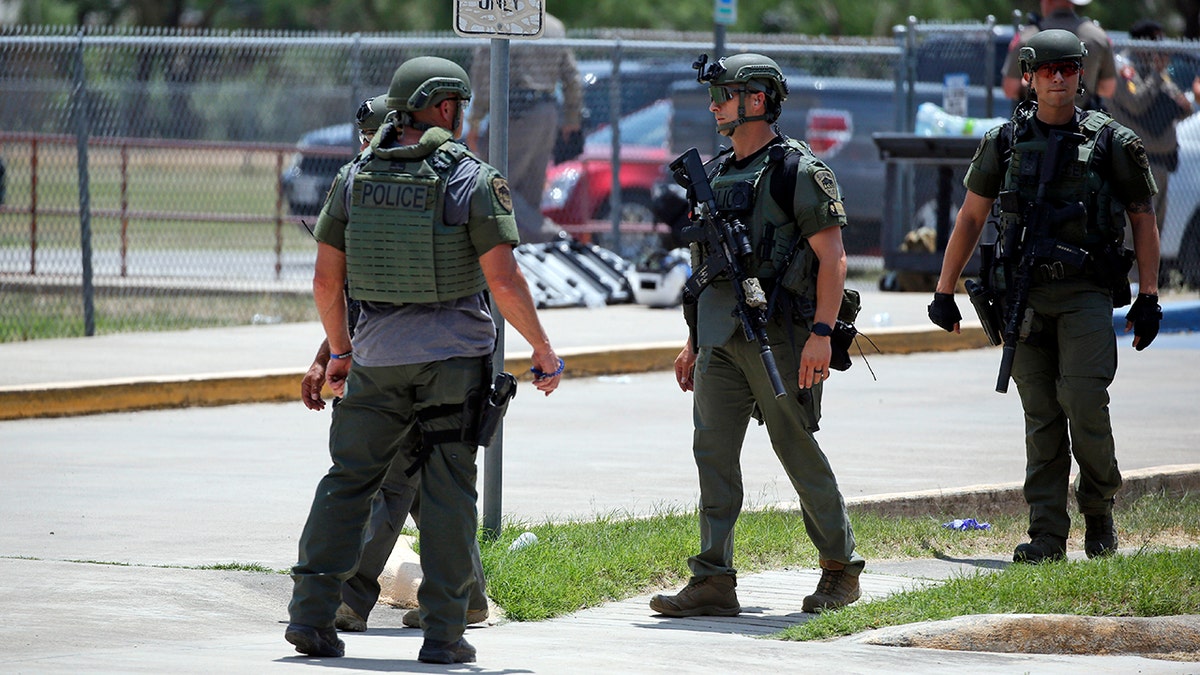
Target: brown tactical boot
[[1099, 536], [703, 596], [412, 618], [836, 589], [348, 620]]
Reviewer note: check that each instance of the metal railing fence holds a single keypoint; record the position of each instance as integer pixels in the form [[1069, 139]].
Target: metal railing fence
[[154, 179]]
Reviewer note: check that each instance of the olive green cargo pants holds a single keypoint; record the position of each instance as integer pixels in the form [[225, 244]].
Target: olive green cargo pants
[[729, 381], [1062, 374], [377, 417]]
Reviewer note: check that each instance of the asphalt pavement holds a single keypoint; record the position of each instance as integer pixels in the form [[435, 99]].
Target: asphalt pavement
[[116, 525]]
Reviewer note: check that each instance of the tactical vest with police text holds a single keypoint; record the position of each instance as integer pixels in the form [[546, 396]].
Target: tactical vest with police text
[[398, 248]]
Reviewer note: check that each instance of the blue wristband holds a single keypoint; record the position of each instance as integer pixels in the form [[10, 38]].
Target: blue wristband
[[538, 374], [344, 355]]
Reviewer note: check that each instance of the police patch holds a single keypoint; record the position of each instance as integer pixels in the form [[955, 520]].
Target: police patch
[[828, 184], [500, 190], [1138, 151], [978, 152]]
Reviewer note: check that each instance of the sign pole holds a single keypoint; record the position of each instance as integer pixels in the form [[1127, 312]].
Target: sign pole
[[502, 21]]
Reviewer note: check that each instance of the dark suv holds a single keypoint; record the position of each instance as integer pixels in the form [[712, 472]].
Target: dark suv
[[319, 155]]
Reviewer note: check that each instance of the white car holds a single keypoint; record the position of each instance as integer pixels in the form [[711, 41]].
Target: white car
[[1181, 228]]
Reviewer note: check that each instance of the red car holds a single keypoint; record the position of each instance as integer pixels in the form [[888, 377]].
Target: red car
[[577, 191]]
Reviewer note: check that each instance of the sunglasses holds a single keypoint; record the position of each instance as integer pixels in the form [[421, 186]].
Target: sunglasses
[[1067, 68], [720, 95]]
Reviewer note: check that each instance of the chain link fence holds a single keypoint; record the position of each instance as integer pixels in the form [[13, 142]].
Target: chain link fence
[[164, 179]]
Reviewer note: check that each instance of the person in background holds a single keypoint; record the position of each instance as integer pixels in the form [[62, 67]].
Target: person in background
[[537, 76], [398, 494], [1100, 73], [1149, 102], [422, 232]]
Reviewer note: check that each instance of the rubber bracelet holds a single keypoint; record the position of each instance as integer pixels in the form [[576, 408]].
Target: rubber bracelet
[[538, 374], [344, 355]]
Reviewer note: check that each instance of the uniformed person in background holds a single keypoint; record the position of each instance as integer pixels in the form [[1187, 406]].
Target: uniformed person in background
[[419, 231], [796, 234], [397, 496], [538, 76], [1149, 102], [1065, 365], [1100, 73]]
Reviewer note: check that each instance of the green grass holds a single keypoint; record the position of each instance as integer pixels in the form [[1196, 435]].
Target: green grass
[[27, 316], [582, 564], [1146, 584]]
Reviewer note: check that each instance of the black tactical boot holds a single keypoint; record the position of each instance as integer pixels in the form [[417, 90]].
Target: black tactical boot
[[1043, 548], [457, 651], [703, 596], [314, 641], [1100, 536], [836, 589]]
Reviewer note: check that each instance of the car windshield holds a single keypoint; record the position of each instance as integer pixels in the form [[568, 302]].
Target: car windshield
[[645, 127]]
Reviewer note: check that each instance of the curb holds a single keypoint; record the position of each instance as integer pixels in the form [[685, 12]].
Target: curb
[[91, 397], [1173, 480]]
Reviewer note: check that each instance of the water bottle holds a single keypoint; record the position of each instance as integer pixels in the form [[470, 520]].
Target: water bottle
[[933, 121], [526, 539]]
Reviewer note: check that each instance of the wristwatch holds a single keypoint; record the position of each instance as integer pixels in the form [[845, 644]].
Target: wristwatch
[[822, 329]]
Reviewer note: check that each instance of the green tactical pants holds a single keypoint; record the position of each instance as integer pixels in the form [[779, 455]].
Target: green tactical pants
[[396, 499], [1062, 374], [377, 417], [729, 381]]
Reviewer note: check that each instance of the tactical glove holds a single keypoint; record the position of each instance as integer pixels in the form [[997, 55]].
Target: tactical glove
[[943, 311], [1145, 315]]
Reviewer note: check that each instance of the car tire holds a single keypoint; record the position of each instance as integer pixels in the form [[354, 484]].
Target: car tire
[[635, 208], [1189, 254]]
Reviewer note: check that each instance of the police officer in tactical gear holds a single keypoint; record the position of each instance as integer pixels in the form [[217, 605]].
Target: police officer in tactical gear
[[791, 204], [1067, 354], [418, 229], [397, 496]]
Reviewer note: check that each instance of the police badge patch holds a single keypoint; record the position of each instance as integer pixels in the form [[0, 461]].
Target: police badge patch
[[828, 184], [1139, 154], [500, 190]]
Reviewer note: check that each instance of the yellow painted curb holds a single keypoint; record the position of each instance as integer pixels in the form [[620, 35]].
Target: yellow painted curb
[[106, 396], [117, 395]]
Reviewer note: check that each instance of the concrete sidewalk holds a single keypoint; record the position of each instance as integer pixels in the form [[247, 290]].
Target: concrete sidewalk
[[113, 523], [223, 366]]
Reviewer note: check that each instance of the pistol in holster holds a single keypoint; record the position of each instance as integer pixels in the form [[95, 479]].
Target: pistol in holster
[[495, 404], [985, 299]]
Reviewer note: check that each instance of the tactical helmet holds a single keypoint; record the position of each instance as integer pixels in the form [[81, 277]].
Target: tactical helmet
[[426, 81], [1049, 46], [758, 72], [371, 114]]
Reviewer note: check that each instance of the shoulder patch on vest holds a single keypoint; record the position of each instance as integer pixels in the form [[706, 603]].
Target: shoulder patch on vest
[[828, 184], [1138, 151], [501, 192]]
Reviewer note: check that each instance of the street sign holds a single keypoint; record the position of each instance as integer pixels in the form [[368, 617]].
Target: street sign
[[504, 19], [725, 12]]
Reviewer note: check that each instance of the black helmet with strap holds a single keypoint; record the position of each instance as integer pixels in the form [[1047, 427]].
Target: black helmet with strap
[[1050, 46]]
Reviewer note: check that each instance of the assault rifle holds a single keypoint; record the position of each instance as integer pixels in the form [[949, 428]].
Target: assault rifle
[[729, 249], [1036, 248]]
